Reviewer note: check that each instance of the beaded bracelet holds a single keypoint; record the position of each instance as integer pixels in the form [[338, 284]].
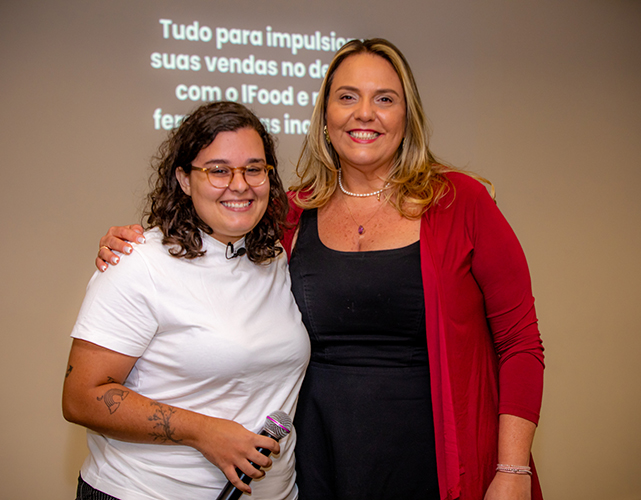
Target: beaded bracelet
[[521, 470]]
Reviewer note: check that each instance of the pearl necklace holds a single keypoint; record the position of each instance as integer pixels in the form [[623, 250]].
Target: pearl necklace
[[358, 195]]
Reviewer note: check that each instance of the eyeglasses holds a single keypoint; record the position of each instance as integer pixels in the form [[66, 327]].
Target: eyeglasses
[[220, 176]]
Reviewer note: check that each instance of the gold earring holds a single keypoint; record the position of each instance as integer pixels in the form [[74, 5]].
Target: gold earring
[[327, 139]]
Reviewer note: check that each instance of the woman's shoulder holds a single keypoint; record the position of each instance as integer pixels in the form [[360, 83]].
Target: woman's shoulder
[[466, 188], [134, 271], [465, 182], [147, 254], [153, 243], [464, 194]]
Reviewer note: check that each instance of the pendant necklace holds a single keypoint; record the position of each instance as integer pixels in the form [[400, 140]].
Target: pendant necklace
[[361, 227]]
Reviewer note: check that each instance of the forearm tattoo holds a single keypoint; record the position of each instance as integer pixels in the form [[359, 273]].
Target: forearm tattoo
[[111, 398], [162, 416], [69, 368]]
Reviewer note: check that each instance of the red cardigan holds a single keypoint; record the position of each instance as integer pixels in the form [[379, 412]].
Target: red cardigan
[[484, 347]]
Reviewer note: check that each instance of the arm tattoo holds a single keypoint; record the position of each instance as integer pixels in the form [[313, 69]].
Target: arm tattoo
[[69, 368], [109, 400], [162, 416]]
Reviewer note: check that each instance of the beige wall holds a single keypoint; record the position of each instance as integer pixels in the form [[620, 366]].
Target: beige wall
[[542, 97]]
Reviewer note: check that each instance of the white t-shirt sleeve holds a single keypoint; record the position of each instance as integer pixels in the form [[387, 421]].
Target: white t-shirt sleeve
[[118, 310]]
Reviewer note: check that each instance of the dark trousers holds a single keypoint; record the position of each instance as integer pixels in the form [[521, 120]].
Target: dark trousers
[[87, 492]]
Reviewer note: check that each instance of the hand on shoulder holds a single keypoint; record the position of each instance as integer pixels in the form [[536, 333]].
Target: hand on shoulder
[[117, 239]]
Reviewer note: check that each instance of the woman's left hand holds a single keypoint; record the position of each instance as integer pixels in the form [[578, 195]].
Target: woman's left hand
[[509, 487]]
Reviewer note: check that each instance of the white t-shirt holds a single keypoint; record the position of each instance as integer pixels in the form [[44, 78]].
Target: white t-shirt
[[222, 337]]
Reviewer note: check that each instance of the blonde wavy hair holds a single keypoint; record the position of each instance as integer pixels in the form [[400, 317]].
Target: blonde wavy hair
[[416, 176]]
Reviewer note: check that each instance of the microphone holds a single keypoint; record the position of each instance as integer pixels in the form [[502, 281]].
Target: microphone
[[277, 425], [230, 249]]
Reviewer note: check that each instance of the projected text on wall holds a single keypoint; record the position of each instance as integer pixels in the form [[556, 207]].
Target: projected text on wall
[[276, 73]]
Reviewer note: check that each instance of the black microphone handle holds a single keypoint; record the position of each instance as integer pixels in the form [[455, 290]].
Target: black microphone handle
[[230, 492]]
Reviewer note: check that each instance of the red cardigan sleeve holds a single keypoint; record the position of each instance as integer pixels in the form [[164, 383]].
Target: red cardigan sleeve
[[500, 268]]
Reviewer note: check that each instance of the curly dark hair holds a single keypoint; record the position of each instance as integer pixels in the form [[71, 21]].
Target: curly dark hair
[[173, 212]]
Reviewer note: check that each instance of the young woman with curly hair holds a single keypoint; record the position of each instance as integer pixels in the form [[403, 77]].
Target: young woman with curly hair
[[196, 338]]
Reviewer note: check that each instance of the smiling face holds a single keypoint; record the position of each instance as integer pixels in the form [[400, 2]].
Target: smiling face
[[366, 113], [233, 211]]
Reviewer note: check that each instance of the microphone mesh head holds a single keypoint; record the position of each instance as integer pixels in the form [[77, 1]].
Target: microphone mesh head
[[278, 424]]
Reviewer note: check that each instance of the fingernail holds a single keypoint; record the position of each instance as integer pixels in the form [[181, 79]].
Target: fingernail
[[128, 249], [115, 260], [141, 239], [103, 268]]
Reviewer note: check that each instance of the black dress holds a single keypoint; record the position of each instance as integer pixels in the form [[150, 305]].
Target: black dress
[[364, 418]]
